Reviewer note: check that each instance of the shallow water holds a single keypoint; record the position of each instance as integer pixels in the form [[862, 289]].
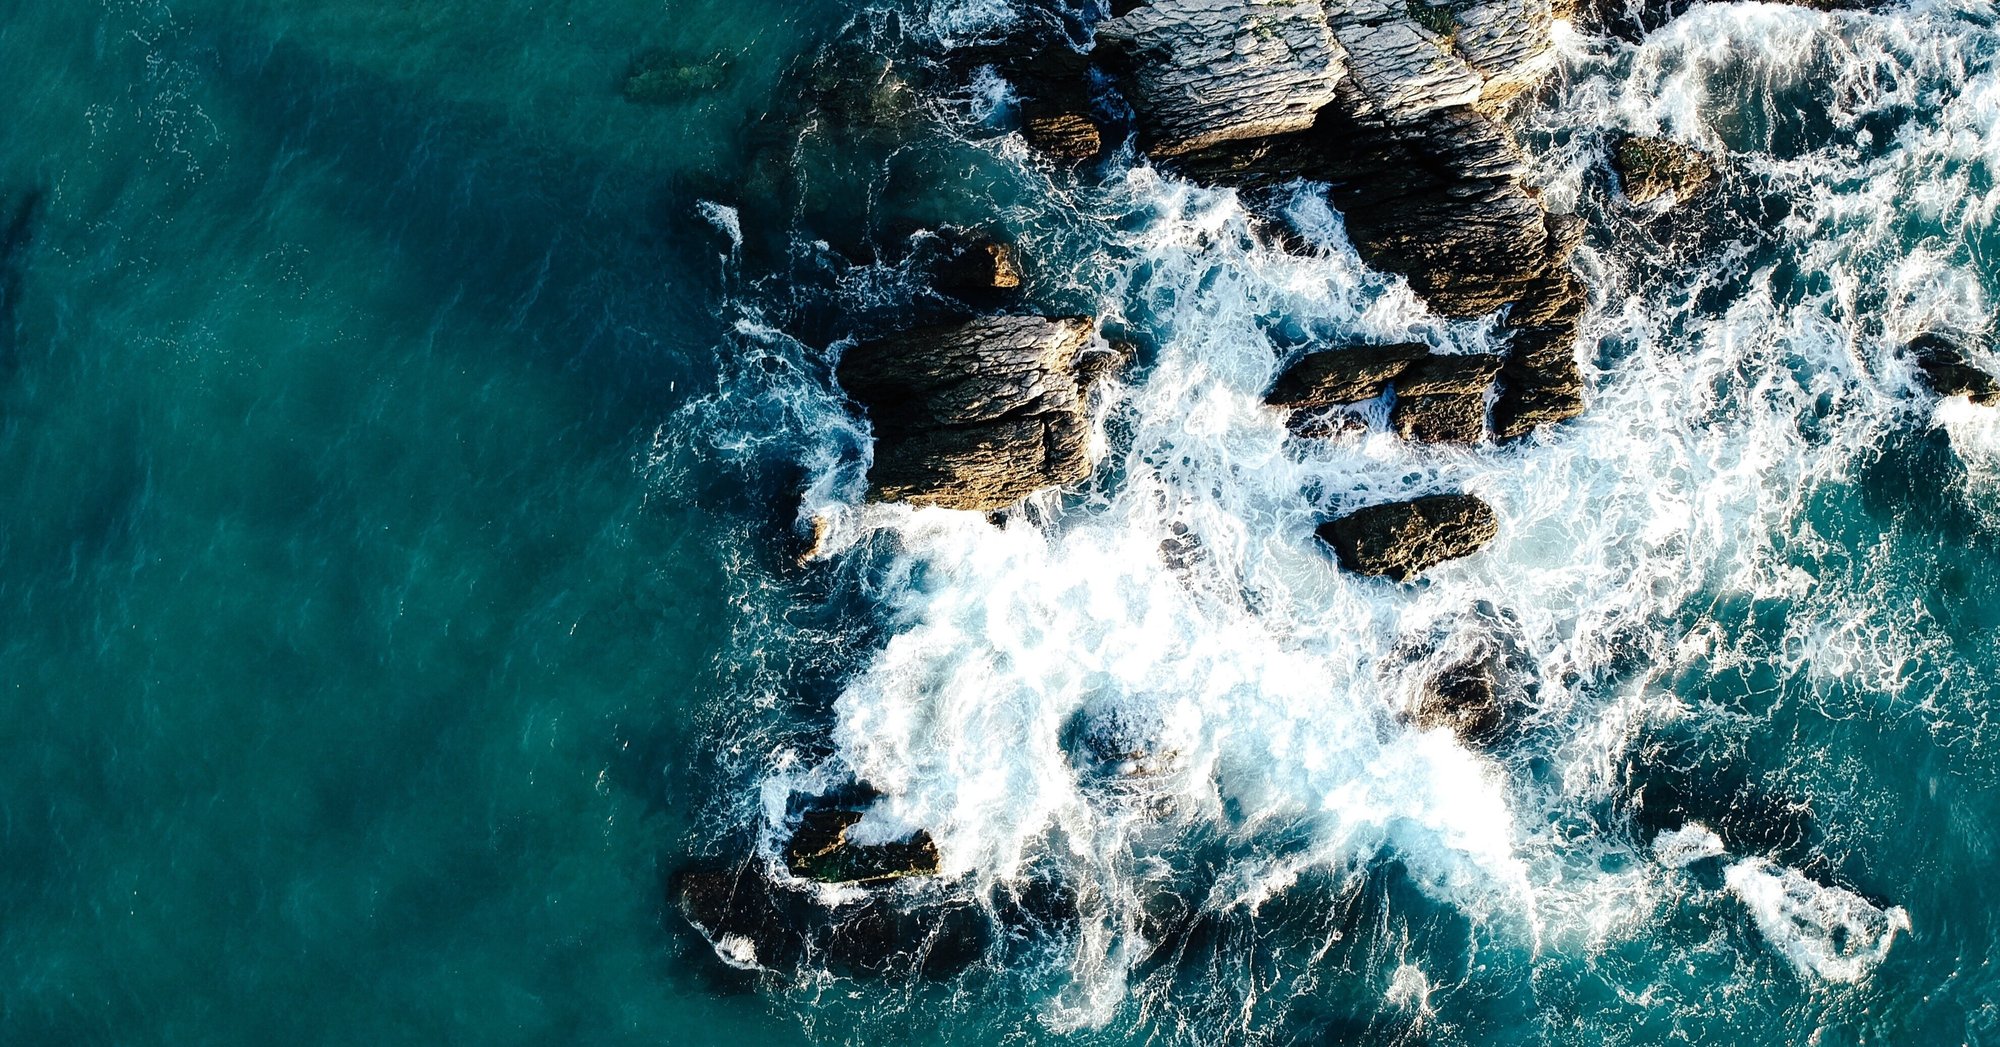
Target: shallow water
[[401, 435]]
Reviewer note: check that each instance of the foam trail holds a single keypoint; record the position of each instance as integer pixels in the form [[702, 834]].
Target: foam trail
[[1824, 932]]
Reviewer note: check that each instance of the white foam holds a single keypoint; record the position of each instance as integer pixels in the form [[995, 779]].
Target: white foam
[[1682, 847], [1828, 933]]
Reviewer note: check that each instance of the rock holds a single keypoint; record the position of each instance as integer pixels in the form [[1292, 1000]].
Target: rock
[[1401, 539], [1452, 418], [819, 850], [1944, 366], [662, 77], [1210, 71], [1343, 376], [1651, 168], [977, 265], [1066, 136], [976, 415], [1465, 699]]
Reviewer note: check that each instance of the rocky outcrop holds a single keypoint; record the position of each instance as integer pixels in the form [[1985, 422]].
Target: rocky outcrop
[[1400, 540], [1944, 366], [1212, 71], [819, 850], [1429, 181], [1345, 375], [1652, 168], [976, 415]]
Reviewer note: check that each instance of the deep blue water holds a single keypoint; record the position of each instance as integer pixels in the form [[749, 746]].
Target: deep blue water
[[402, 442]]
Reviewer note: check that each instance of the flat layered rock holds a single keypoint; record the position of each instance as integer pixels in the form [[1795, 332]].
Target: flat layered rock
[[1345, 375], [1652, 168], [1446, 418], [1210, 71], [976, 415], [1399, 540]]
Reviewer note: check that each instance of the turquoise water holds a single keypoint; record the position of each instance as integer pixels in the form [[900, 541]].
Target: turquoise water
[[401, 442]]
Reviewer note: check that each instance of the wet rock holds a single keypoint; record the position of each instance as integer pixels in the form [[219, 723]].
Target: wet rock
[[1651, 168], [1399, 540], [976, 415], [1343, 376], [819, 850], [1944, 366], [1210, 71], [740, 912], [663, 77]]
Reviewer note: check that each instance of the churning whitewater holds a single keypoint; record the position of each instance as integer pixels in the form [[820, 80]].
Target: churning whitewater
[[1157, 690]]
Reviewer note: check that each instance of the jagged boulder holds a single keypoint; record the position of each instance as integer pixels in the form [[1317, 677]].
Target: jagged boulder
[[1399, 540], [1945, 367], [975, 415], [1651, 168], [819, 850], [1345, 375], [1210, 71], [1442, 398]]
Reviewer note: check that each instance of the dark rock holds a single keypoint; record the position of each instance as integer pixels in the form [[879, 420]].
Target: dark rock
[[1650, 168], [977, 265], [1343, 376], [1401, 539], [1945, 367], [753, 921], [976, 415], [1446, 418], [1465, 699], [1064, 135], [819, 850]]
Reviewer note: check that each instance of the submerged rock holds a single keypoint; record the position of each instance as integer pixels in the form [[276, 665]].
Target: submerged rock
[[663, 76], [1398, 540], [819, 850], [1210, 71], [755, 922], [1944, 366], [976, 415], [1650, 168], [1473, 675]]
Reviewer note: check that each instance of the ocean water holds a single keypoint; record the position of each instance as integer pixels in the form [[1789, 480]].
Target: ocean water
[[406, 444]]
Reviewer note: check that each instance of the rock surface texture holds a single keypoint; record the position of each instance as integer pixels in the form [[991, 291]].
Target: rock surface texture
[[1400, 540], [1440, 397], [976, 415], [1652, 168], [1211, 71]]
